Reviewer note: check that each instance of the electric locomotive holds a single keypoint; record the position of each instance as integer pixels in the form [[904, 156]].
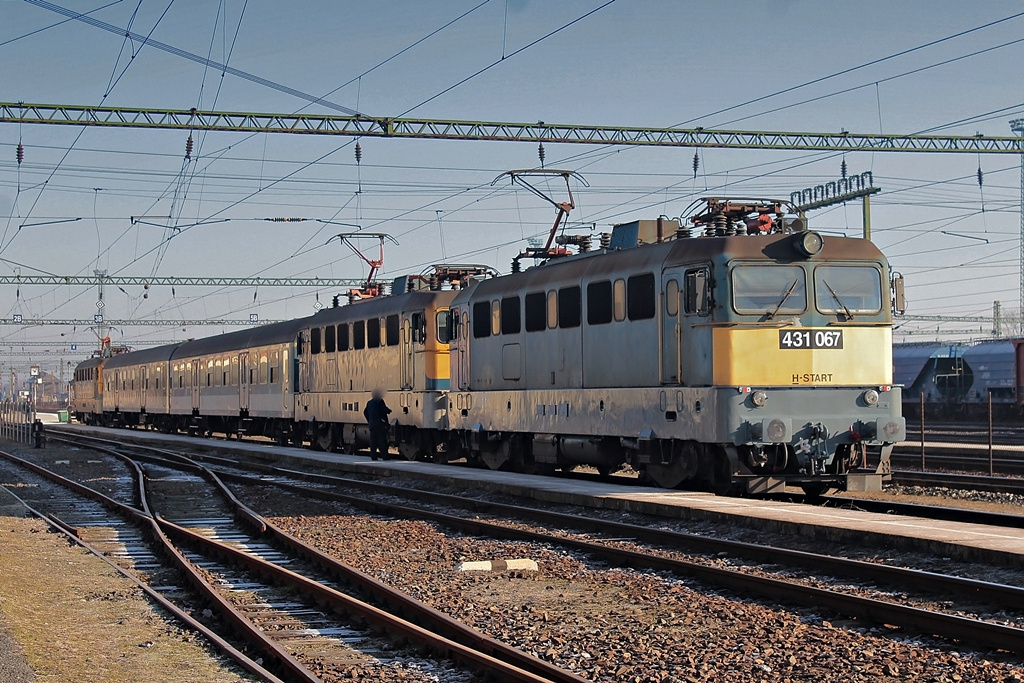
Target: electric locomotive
[[728, 361]]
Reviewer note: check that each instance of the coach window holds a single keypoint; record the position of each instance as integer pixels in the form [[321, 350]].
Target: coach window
[[343, 337], [274, 363], [392, 329], [234, 370], [481, 319], [263, 368], [672, 297], [511, 315], [373, 333], [329, 340], [599, 303], [495, 317], [552, 309], [314, 340], [569, 307], [358, 334], [640, 297], [534, 312], [768, 289]]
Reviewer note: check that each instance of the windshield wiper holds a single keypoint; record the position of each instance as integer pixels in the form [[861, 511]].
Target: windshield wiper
[[785, 298], [846, 311]]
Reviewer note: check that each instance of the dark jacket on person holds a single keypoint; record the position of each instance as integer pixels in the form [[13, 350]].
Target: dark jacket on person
[[376, 413]]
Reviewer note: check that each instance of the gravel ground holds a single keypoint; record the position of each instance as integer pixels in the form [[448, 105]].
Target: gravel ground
[[733, 531], [619, 625], [14, 667]]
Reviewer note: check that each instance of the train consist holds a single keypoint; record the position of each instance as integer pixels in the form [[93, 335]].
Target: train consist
[[956, 379], [749, 356]]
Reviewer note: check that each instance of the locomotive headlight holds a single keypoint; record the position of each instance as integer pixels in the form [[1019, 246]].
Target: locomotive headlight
[[871, 397], [809, 243], [759, 398]]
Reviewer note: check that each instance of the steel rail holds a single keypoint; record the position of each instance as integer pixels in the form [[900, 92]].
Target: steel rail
[[983, 633], [978, 632], [973, 482], [996, 594], [179, 614], [448, 637], [144, 517]]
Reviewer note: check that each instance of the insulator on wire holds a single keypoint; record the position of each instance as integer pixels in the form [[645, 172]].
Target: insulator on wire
[[842, 169], [188, 147], [696, 163], [540, 154], [981, 177], [20, 153], [359, 152]]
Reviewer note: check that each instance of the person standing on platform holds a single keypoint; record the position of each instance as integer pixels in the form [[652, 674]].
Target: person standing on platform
[[376, 413]]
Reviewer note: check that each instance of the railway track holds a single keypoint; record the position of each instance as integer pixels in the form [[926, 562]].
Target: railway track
[[630, 545], [297, 607]]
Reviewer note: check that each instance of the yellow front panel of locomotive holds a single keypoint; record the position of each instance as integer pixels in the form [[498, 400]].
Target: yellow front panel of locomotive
[[807, 357]]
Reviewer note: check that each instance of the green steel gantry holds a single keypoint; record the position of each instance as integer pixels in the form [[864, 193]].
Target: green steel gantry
[[440, 129]]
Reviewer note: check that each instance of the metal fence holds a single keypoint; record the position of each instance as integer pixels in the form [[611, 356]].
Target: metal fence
[[16, 419]]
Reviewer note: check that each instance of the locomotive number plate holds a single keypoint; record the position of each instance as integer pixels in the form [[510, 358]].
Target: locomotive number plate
[[810, 339]]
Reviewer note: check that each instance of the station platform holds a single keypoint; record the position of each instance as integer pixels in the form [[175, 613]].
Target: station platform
[[971, 542]]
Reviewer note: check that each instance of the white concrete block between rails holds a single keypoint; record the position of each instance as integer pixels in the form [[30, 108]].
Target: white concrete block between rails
[[497, 566]]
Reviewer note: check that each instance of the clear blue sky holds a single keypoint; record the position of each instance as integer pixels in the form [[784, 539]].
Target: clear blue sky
[[636, 63]]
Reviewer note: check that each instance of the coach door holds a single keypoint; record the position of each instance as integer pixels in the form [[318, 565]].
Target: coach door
[[143, 387], [410, 337], [243, 382], [671, 365], [304, 383], [461, 320], [197, 373]]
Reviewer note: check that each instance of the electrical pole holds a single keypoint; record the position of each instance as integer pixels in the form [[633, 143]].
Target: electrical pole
[[1017, 126]]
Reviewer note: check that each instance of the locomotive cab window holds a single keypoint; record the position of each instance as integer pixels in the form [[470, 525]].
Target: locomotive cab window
[[535, 312], [848, 289], [769, 289], [329, 339], [698, 292], [418, 323], [446, 326]]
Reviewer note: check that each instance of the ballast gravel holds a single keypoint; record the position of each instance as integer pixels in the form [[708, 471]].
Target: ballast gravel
[[620, 625]]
